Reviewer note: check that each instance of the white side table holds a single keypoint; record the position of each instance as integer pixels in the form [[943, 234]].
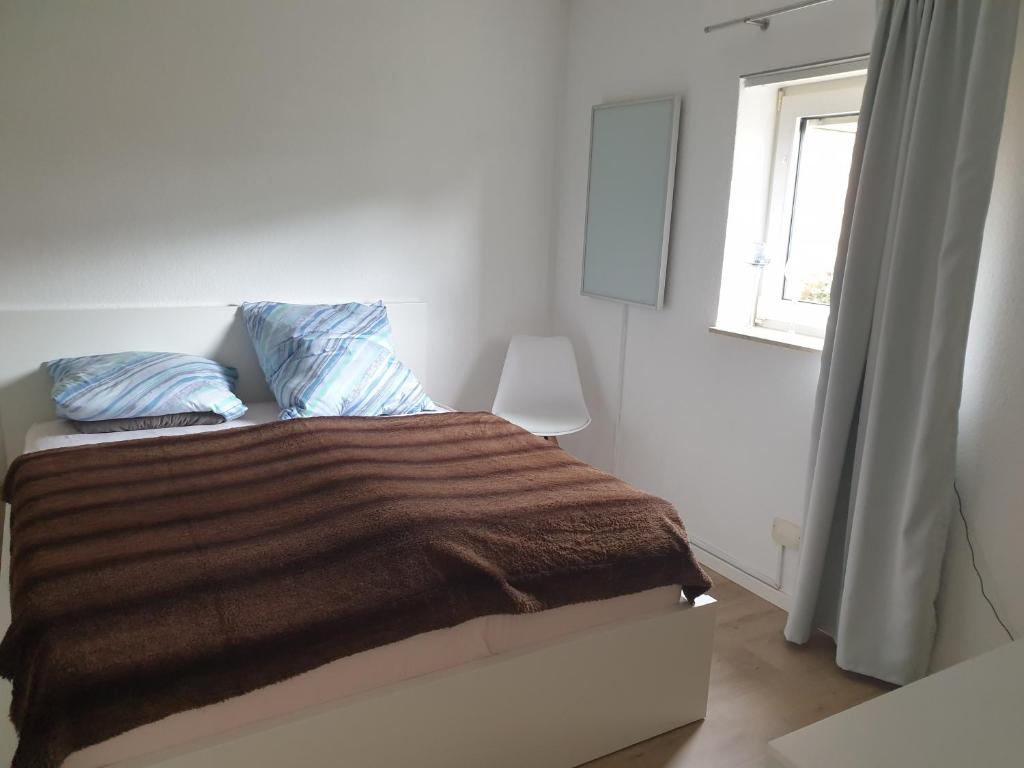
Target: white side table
[[968, 716]]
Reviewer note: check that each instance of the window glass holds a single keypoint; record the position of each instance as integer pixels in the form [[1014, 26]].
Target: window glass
[[822, 172]]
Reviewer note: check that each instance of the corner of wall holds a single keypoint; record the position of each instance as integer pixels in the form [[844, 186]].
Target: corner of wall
[[991, 446]]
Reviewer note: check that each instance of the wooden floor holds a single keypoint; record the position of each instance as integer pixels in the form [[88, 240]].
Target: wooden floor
[[761, 687]]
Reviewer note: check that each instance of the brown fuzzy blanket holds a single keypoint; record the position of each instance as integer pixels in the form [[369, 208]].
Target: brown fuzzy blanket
[[155, 576]]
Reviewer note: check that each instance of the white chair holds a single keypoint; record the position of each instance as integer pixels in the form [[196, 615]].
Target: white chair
[[540, 387]]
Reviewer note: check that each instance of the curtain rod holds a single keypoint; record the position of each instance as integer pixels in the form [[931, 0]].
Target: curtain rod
[[761, 20]]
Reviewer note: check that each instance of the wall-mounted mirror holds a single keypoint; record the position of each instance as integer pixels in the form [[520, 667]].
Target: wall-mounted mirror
[[629, 200]]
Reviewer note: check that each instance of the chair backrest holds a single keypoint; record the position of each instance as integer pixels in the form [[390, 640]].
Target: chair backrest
[[540, 386]]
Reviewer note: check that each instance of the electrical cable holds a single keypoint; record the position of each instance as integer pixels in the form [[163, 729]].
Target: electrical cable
[[974, 563]]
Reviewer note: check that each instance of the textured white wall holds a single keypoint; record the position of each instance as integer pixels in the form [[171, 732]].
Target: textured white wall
[[210, 151], [991, 449], [719, 426], [213, 151]]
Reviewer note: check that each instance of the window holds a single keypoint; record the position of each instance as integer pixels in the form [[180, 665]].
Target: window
[[794, 146], [814, 145]]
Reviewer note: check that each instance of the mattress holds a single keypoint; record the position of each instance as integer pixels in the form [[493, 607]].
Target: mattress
[[405, 660], [60, 434]]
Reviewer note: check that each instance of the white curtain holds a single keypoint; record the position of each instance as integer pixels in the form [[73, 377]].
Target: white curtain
[[885, 427]]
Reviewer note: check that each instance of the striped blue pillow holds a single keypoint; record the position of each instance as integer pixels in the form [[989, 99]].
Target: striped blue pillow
[[128, 385], [332, 360]]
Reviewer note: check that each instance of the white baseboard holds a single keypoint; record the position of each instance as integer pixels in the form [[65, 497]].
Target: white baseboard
[[774, 596]]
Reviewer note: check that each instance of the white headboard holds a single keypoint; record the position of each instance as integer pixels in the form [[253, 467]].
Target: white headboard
[[29, 338]]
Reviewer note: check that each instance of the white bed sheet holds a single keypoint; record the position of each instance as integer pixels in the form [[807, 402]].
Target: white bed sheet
[[60, 434], [407, 659]]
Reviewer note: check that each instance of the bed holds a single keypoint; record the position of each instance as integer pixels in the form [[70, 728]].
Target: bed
[[531, 689]]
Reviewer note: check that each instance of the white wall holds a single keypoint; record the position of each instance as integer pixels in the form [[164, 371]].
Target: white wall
[[991, 448], [210, 151], [213, 151], [718, 425]]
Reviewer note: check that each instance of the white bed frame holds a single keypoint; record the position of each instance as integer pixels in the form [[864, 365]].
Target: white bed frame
[[554, 705]]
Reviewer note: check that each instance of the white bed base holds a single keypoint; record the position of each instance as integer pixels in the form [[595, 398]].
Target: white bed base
[[554, 705]]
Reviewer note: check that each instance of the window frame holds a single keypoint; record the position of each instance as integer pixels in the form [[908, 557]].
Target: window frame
[[796, 104]]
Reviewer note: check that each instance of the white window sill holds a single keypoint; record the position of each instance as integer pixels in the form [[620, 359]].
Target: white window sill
[[768, 336]]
